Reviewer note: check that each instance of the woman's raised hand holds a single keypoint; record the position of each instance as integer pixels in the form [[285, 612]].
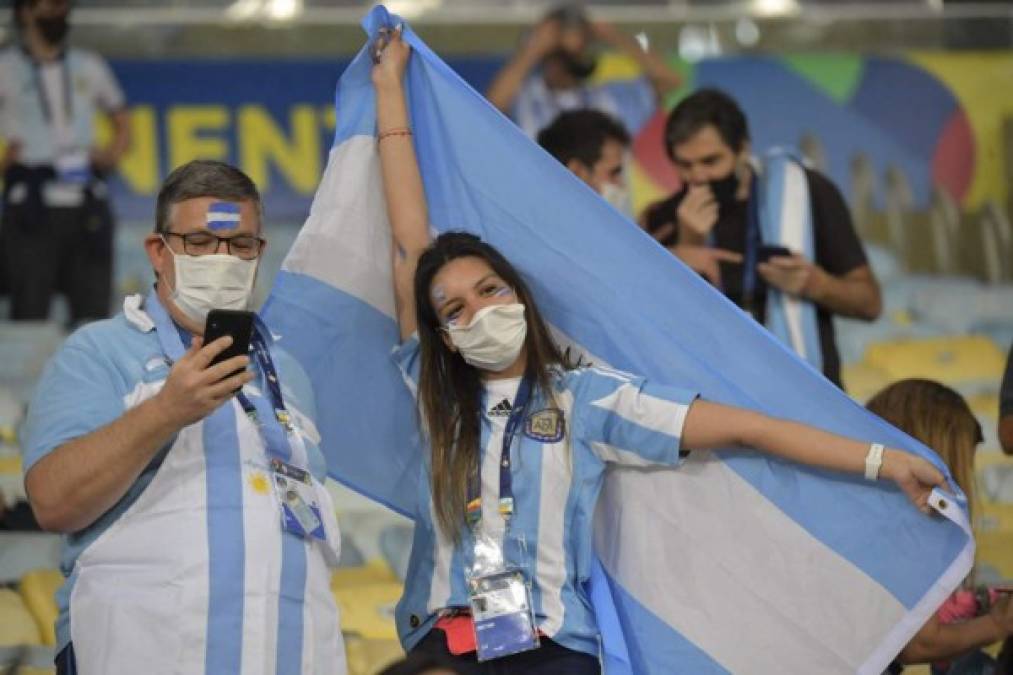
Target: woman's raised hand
[[390, 57]]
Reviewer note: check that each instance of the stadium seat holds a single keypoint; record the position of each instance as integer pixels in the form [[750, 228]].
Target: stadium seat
[[366, 596], [952, 360], [24, 349], [367, 657], [38, 590], [21, 552], [373, 572], [396, 546], [17, 625], [995, 557]]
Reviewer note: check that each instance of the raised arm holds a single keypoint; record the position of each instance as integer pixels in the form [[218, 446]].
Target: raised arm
[[712, 425], [508, 81], [402, 182], [663, 77]]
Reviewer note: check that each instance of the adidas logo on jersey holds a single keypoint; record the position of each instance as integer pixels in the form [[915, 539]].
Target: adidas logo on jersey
[[501, 409]]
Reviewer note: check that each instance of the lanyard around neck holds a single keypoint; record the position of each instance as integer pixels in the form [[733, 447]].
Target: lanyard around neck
[[506, 494], [40, 88]]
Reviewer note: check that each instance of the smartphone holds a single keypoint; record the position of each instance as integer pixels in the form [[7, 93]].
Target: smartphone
[[237, 323], [767, 252]]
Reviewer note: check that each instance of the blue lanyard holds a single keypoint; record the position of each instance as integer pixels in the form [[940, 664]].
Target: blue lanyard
[[506, 492], [752, 247], [273, 419]]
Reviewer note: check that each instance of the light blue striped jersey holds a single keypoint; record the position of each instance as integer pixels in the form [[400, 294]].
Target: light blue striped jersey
[[101, 371], [93, 88], [632, 102], [609, 417]]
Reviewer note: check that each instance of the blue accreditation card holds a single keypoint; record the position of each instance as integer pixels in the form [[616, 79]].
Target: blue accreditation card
[[501, 609], [300, 510]]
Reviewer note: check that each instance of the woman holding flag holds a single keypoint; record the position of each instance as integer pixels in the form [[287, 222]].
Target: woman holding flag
[[520, 439]]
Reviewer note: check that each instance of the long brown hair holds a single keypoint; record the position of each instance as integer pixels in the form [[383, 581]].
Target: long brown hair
[[450, 390], [937, 416]]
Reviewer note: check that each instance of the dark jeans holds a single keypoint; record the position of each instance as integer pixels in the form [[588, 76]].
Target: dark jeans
[[549, 659], [65, 663]]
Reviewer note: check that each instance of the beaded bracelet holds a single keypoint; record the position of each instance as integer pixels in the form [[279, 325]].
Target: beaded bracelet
[[398, 131]]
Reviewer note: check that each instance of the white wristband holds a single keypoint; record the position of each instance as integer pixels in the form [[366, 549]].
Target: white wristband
[[873, 461]]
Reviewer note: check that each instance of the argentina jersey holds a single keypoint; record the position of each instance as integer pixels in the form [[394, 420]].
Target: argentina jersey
[[192, 560], [593, 418]]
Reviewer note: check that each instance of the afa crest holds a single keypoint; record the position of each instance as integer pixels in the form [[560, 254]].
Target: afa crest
[[545, 426]]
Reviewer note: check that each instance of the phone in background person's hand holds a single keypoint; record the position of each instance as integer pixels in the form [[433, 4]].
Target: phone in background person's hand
[[767, 252]]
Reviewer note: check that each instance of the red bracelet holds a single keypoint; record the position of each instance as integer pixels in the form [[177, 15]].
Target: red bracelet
[[398, 131]]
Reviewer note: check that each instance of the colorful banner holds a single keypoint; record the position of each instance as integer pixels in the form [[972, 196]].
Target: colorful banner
[[936, 117]]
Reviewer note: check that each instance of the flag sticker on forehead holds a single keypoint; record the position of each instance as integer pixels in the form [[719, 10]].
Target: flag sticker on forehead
[[223, 216], [735, 562]]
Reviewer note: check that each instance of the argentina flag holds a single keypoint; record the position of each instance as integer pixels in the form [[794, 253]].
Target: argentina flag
[[735, 562]]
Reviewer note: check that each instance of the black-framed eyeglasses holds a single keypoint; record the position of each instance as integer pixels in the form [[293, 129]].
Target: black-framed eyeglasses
[[244, 246]]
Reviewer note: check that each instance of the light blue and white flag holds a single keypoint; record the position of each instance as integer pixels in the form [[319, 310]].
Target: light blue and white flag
[[785, 216], [732, 563]]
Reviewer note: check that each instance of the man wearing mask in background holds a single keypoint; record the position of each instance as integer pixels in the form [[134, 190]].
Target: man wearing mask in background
[[549, 74], [199, 535], [593, 146], [792, 271], [57, 227]]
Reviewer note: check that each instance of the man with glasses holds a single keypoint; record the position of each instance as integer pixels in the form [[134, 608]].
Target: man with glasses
[[190, 492]]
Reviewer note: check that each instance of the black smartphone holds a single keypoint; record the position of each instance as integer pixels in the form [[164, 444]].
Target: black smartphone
[[234, 322], [767, 252]]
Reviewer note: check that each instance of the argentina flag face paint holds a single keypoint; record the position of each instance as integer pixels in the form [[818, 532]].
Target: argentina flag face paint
[[223, 216]]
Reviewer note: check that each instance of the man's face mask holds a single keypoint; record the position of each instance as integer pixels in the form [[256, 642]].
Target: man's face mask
[[619, 197], [53, 29], [209, 282], [725, 189], [579, 66]]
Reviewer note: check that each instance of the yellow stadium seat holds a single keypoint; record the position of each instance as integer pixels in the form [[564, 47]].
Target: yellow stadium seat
[[862, 381], [368, 657], [38, 590], [950, 360], [995, 549], [17, 626], [368, 610], [985, 405], [995, 517], [374, 571], [10, 464]]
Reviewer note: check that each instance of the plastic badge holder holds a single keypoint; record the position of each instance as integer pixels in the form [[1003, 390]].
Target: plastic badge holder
[[300, 510], [501, 607]]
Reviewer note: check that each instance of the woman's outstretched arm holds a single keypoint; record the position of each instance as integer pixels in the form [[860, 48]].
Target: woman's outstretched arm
[[712, 425], [402, 182]]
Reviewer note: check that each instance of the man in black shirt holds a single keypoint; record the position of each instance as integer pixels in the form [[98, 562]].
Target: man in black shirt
[[706, 224]]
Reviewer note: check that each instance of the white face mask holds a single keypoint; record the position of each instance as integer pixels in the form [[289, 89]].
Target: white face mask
[[209, 282], [619, 197], [494, 338]]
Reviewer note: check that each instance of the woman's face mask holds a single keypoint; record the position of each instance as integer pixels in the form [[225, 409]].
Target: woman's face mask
[[494, 338]]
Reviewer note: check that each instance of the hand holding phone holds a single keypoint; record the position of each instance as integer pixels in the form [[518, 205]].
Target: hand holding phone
[[767, 252], [208, 374]]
